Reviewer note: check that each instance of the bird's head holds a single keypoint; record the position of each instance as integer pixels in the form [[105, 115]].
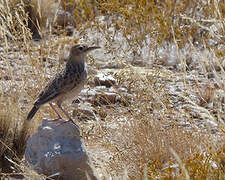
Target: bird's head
[[80, 51]]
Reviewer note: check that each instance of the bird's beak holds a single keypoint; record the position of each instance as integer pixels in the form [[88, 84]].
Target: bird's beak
[[92, 48]]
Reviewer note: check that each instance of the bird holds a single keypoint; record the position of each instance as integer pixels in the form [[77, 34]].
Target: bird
[[67, 84]]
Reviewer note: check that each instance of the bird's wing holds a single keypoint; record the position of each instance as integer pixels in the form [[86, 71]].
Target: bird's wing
[[63, 82], [72, 76], [51, 91]]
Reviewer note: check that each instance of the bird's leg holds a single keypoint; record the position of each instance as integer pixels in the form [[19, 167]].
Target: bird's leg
[[51, 105], [67, 115]]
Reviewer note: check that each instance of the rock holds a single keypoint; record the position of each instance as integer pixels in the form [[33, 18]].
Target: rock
[[69, 30], [64, 18], [56, 150], [111, 66], [104, 98], [100, 95], [137, 61], [104, 80], [84, 112]]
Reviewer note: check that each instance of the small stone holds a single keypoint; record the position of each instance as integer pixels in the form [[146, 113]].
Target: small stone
[[104, 80], [84, 112], [138, 62], [69, 30], [111, 66], [105, 98]]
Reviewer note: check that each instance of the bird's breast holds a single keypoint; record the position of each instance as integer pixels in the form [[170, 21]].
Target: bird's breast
[[75, 79]]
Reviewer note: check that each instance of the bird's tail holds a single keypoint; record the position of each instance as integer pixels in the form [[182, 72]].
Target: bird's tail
[[32, 113]]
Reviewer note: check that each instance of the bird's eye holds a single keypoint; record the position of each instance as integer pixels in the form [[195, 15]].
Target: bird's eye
[[81, 48]]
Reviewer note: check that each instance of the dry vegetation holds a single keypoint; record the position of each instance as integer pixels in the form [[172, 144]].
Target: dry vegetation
[[170, 123]]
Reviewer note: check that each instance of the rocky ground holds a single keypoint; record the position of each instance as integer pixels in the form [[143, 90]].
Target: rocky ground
[[178, 96], [153, 106]]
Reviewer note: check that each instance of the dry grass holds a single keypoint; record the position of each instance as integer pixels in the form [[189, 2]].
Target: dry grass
[[171, 122], [146, 132]]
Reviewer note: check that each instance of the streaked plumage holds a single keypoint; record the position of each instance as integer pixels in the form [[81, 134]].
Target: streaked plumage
[[66, 84]]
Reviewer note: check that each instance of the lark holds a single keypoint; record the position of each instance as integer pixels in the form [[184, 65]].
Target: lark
[[67, 84]]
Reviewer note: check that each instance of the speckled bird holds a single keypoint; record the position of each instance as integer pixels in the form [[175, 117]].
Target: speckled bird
[[67, 84]]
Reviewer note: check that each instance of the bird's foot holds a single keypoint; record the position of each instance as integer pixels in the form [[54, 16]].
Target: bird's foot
[[62, 121], [72, 121], [58, 121]]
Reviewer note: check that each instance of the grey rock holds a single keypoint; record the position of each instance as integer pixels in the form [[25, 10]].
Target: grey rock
[[57, 150]]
